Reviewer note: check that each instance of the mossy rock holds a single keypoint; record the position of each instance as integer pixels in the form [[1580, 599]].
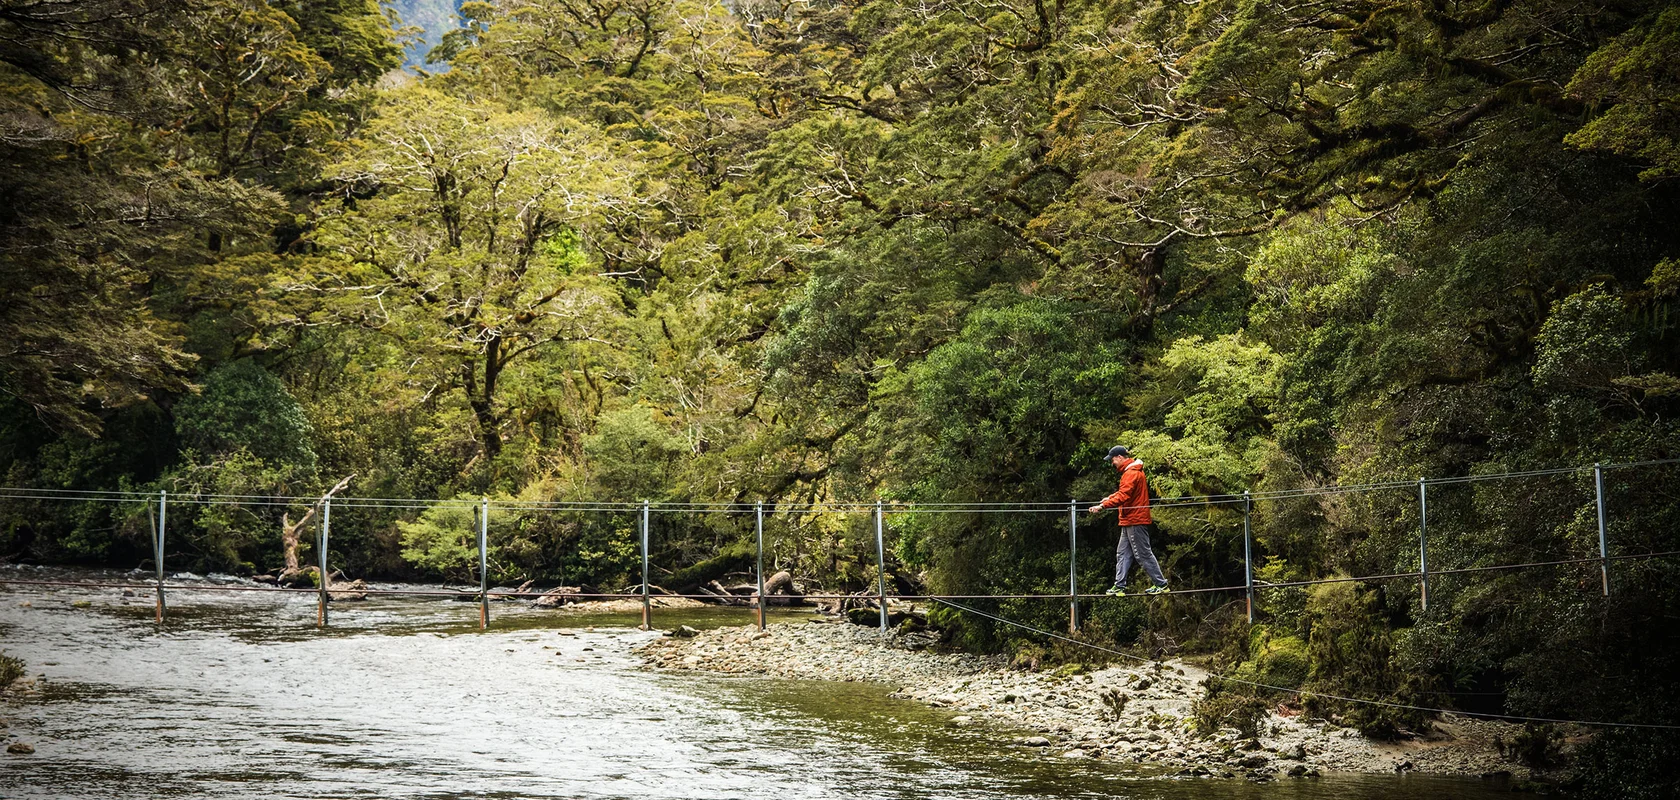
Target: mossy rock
[[1275, 660], [1070, 670], [1283, 662], [863, 616]]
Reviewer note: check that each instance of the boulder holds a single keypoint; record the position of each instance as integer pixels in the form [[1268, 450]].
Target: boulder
[[20, 749]]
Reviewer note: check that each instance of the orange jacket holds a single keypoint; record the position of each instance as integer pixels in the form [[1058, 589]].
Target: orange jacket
[[1133, 496]]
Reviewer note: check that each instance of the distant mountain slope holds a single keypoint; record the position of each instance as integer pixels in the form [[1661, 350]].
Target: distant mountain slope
[[433, 17]]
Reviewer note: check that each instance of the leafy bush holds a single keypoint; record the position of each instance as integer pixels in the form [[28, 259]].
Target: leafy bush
[[443, 542], [1538, 745], [1225, 707], [10, 670], [1625, 764]]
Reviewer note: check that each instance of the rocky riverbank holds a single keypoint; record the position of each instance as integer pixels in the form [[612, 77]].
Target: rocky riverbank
[[1137, 712]]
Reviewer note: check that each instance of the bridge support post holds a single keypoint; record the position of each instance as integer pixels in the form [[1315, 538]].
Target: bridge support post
[[881, 564], [1073, 566], [1248, 554], [484, 563], [1603, 544], [647, 602], [758, 517], [1423, 542], [159, 533], [326, 528]]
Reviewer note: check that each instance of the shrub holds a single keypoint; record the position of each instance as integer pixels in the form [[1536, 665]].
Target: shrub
[[1222, 707], [10, 670], [1629, 765]]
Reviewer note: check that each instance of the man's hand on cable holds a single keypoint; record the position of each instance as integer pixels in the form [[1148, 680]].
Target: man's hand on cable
[[1094, 510]]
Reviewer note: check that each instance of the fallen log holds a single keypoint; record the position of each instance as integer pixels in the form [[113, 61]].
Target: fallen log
[[558, 596], [719, 594], [351, 591]]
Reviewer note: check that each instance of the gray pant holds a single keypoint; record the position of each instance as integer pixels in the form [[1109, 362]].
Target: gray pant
[[1134, 545]]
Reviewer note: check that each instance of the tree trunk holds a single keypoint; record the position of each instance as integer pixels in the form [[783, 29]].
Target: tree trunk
[[291, 534]]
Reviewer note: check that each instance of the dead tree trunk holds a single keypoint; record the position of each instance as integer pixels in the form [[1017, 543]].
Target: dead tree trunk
[[291, 535]]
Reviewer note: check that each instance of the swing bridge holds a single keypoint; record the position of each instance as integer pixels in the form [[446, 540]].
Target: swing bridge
[[159, 504]]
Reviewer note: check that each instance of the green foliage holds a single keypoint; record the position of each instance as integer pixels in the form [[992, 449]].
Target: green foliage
[[1227, 705], [1634, 79], [11, 668], [1628, 764], [633, 455], [443, 542], [1280, 661], [242, 407], [1538, 745]]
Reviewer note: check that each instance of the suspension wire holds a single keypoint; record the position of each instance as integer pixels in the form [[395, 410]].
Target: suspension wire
[[1303, 693], [982, 507]]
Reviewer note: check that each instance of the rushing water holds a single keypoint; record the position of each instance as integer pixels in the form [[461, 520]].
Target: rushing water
[[240, 696]]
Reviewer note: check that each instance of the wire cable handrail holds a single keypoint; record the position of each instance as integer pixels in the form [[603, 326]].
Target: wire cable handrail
[[892, 506]]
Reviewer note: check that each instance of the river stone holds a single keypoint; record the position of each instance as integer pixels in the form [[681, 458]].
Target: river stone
[[1253, 762], [685, 632], [20, 749], [1035, 741], [1074, 754]]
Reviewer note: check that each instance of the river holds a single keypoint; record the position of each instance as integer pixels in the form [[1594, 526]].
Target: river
[[239, 695]]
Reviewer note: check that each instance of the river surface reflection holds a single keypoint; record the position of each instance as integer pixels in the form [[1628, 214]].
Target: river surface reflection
[[240, 696]]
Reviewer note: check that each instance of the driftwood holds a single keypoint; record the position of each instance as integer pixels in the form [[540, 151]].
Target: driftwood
[[558, 596], [352, 590], [720, 594], [291, 534], [840, 605], [779, 589]]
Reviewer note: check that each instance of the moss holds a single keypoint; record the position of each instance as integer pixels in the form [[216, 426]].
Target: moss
[[1070, 670], [1282, 661], [1274, 660]]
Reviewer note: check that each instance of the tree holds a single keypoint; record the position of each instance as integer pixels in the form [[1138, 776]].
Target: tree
[[462, 232], [95, 214]]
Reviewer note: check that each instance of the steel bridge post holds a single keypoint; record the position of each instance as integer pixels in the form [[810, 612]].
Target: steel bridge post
[[881, 564], [484, 563], [1603, 544], [758, 517], [1248, 554], [157, 550], [326, 527], [1423, 542], [647, 602], [1073, 566]]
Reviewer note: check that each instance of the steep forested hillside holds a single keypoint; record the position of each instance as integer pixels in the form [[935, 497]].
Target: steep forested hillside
[[694, 251]]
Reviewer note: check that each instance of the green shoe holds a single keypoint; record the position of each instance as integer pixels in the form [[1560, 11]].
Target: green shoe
[[1158, 589], [1116, 590]]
